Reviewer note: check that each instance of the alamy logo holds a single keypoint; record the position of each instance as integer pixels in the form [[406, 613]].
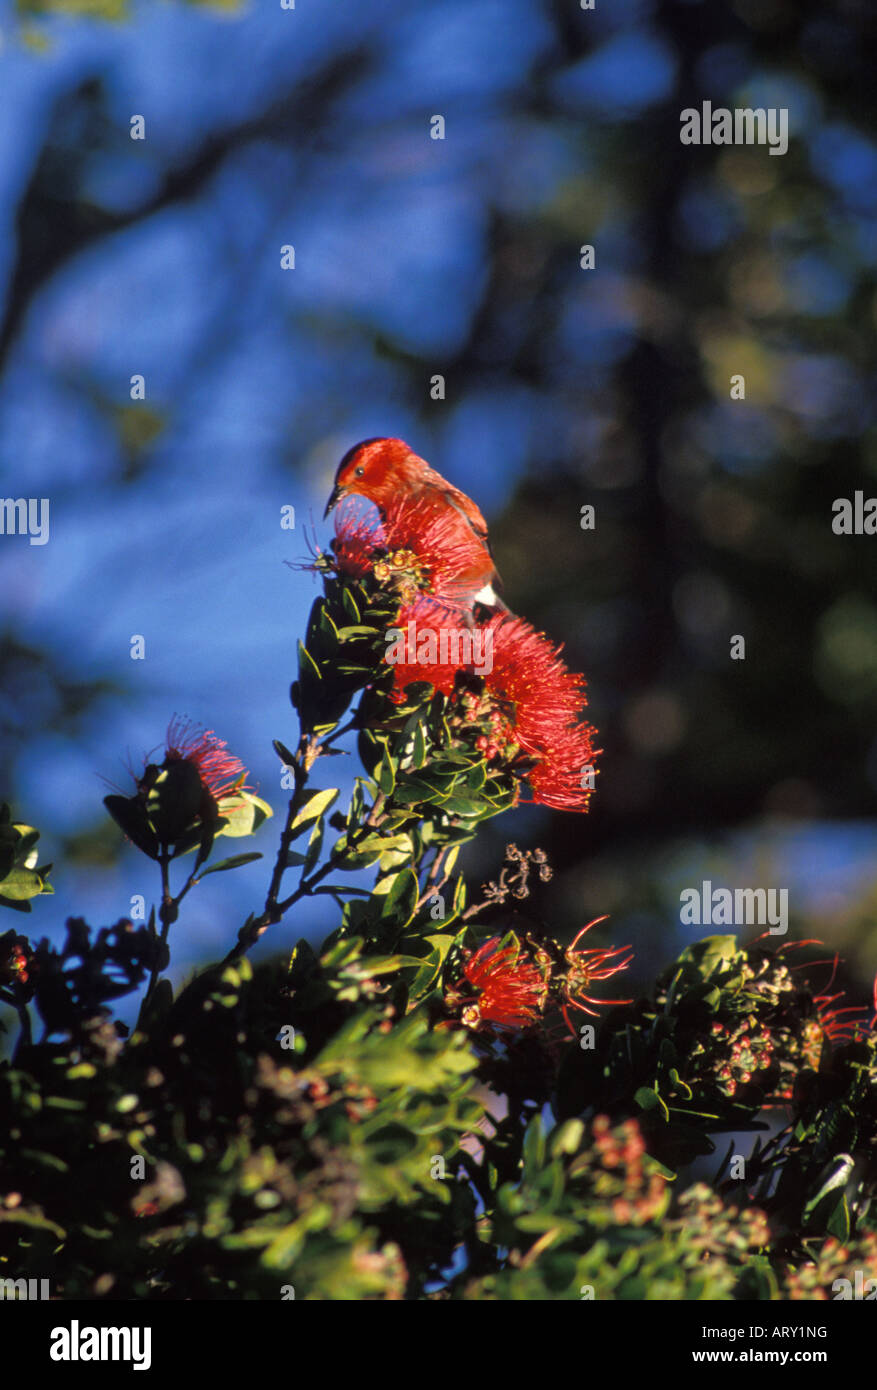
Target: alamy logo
[[25, 516], [863, 1289], [856, 516], [744, 907], [75, 1343], [451, 646], [742, 126], [25, 1289]]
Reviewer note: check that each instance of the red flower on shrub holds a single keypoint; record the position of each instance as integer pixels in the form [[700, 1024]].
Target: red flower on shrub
[[412, 549], [511, 988], [221, 773], [526, 701], [585, 968], [519, 985]]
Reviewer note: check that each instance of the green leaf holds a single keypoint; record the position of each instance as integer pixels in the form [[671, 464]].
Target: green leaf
[[758, 1281], [398, 850], [47, 1160], [21, 1216], [15, 904], [233, 863], [648, 1099], [401, 900], [395, 851], [476, 777], [174, 800], [410, 791], [353, 630], [315, 845], [369, 967], [25, 851], [245, 817], [205, 840], [419, 746], [349, 604], [680, 1085], [316, 804], [21, 884], [712, 954], [129, 814], [158, 1006], [653, 1165], [840, 1169], [464, 806], [567, 1138], [364, 853], [386, 773], [283, 753], [323, 627], [430, 968], [307, 667], [534, 1150], [838, 1223]]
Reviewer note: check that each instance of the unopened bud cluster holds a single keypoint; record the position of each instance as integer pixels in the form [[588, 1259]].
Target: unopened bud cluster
[[615, 1168]]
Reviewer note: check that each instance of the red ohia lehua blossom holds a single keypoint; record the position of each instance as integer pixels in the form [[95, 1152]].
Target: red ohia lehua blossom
[[411, 549], [520, 985], [517, 695], [197, 784], [511, 988], [223, 775], [585, 967], [835, 1025]]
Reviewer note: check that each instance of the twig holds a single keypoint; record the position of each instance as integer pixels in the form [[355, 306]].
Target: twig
[[434, 883], [274, 910], [167, 913]]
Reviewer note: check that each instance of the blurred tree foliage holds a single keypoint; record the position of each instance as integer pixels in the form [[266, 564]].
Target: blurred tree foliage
[[713, 515], [105, 9]]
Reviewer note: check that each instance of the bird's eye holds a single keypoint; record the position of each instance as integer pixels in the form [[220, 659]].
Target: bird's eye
[[359, 471]]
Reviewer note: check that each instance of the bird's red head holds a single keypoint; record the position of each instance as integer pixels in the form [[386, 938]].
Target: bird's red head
[[377, 469]]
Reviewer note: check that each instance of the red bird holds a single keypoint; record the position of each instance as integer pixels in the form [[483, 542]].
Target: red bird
[[383, 470]]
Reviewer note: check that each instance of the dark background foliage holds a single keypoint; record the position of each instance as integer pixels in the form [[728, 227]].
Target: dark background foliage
[[564, 387]]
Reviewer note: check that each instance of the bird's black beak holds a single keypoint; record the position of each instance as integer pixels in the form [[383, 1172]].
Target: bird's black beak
[[337, 494]]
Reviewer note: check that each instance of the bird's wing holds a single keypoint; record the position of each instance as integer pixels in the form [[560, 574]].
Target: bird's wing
[[472, 515], [463, 504], [467, 508], [460, 502]]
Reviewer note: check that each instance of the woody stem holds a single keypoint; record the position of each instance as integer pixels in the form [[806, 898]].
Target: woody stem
[[167, 912], [301, 764], [25, 1036]]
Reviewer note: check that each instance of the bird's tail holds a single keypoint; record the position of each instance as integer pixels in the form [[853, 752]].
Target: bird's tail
[[489, 599], [484, 607]]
